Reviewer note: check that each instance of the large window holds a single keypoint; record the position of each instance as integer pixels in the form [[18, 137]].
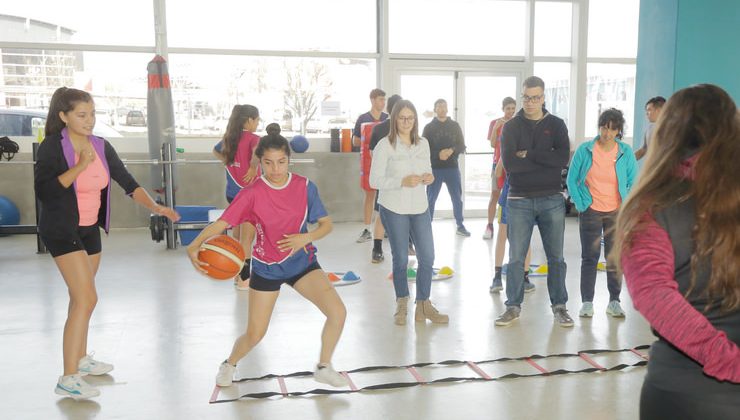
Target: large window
[[309, 95], [310, 66], [610, 86], [467, 27], [557, 87], [304, 42], [612, 28], [552, 29], [117, 82], [80, 22], [28, 74], [317, 25], [612, 49]]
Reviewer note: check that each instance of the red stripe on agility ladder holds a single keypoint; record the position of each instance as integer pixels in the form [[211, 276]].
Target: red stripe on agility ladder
[[283, 388], [351, 384], [214, 395], [644, 356], [478, 370], [536, 366], [591, 361], [416, 375]]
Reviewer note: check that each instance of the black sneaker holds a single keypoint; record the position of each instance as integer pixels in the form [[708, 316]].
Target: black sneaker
[[377, 256]]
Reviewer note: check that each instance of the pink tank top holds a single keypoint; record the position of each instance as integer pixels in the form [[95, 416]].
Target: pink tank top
[[88, 186]]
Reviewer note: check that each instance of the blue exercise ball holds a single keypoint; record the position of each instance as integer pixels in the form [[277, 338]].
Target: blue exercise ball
[[9, 214], [299, 143]]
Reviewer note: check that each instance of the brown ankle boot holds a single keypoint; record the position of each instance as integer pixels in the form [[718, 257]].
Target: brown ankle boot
[[425, 310], [402, 304]]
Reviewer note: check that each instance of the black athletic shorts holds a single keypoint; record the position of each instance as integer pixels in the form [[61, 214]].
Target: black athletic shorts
[[87, 238], [262, 284]]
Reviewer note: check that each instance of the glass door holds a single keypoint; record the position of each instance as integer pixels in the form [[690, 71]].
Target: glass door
[[480, 96], [423, 89], [473, 100]]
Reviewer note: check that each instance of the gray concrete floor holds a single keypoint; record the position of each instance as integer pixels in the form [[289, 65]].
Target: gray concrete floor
[[166, 329]]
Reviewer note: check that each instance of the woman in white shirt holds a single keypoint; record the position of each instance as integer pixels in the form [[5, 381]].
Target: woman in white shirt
[[400, 171]]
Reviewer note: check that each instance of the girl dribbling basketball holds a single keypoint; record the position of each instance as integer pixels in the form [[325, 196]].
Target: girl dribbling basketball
[[280, 205]]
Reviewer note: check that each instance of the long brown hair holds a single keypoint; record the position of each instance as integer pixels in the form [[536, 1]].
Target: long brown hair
[[239, 115], [403, 103], [701, 120], [63, 100]]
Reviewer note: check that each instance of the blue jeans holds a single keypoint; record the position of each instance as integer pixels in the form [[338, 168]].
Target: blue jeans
[[548, 213], [592, 224], [451, 177], [419, 227]]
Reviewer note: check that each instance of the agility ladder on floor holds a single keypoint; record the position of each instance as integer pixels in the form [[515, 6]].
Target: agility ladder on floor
[[419, 380]]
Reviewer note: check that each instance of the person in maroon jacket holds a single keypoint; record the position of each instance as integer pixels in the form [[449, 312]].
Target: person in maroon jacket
[[678, 242]]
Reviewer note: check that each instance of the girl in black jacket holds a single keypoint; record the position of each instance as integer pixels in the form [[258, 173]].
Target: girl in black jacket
[[72, 182]]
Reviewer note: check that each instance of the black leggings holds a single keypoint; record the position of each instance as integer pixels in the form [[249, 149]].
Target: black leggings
[[658, 404]]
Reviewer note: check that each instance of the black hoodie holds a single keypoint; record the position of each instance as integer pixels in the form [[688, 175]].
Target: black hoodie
[[444, 135], [548, 150]]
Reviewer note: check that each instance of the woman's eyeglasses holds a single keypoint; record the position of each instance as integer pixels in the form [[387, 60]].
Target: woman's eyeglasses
[[406, 119]]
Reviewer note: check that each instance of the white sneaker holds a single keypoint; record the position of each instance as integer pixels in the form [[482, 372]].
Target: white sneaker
[[225, 376], [90, 366], [74, 386], [327, 375], [587, 310], [614, 309], [489, 232]]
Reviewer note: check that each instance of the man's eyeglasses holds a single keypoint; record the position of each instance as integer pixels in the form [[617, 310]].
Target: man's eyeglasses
[[406, 119], [537, 98]]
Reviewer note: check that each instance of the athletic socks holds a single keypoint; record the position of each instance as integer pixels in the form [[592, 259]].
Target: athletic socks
[[378, 245], [246, 268]]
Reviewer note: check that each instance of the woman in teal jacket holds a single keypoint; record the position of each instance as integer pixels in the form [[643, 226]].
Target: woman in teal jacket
[[601, 175]]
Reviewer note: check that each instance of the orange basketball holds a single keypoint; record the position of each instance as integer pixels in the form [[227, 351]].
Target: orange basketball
[[224, 256]]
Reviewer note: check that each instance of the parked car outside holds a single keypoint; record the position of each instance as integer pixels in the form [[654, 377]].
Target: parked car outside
[[136, 118], [28, 122]]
